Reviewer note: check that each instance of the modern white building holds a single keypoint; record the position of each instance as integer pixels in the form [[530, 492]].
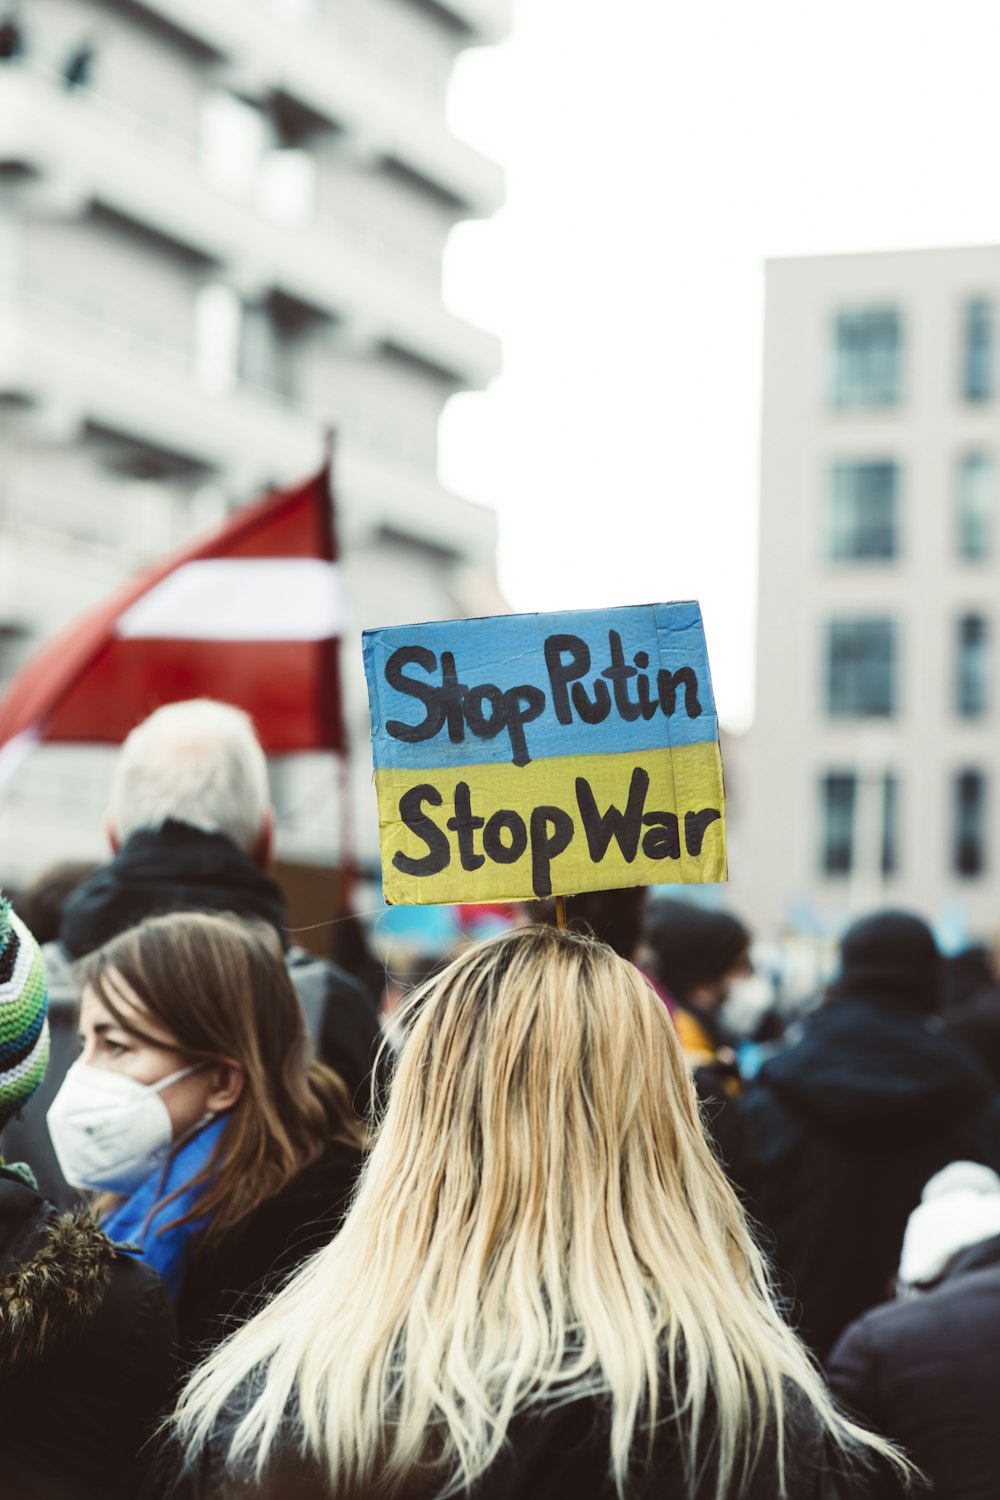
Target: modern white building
[[221, 227], [874, 758]]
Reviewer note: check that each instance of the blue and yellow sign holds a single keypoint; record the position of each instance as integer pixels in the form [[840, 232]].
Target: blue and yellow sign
[[525, 755]]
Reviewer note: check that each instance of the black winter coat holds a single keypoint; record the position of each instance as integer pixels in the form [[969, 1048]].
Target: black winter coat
[[226, 1282], [833, 1144], [180, 868], [563, 1454], [925, 1371], [86, 1355]]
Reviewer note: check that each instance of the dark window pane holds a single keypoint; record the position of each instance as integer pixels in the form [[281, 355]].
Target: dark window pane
[[838, 793], [867, 357], [969, 852], [972, 675], [861, 669], [890, 824], [975, 505], [863, 510], [977, 362]]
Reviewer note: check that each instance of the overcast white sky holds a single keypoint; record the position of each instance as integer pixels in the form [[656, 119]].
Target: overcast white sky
[[657, 152]]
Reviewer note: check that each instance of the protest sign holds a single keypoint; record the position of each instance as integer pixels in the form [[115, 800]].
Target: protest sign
[[524, 755]]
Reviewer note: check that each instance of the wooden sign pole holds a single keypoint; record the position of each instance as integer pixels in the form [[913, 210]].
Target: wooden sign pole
[[561, 913]]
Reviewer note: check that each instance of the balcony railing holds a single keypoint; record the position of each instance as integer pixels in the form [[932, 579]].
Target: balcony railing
[[328, 264]]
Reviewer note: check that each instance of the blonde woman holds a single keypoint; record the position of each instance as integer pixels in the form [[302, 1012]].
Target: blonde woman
[[545, 1286]]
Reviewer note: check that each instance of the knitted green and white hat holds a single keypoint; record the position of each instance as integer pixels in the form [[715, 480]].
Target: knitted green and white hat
[[24, 999]]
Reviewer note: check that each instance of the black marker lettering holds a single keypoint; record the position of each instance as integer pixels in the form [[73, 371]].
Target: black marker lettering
[[596, 712], [648, 707], [484, 728], [666, 687], [452, 698], [695, 825], [414, 656], [562, 673], [625, 827], [619, 673], [545, 845], [520, 706], [663, 841], [465, 825], [438, 855], [493, 845]]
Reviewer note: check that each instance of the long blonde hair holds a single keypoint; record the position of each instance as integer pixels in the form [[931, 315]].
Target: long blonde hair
[[540, 1218]]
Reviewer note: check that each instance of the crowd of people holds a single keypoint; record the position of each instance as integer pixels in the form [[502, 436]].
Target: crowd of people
[[572, 1210]]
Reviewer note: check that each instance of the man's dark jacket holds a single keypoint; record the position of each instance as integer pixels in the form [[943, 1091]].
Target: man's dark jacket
[[561, 1452], [86, 1355], [180, 868], [925, 1371], [833, 1144]]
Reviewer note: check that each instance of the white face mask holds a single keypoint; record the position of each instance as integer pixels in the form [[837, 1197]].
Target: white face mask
[[110, 1131], [748, 1001]]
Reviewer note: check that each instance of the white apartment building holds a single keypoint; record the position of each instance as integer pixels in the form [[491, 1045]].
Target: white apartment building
[[874, 758], [221, 227]]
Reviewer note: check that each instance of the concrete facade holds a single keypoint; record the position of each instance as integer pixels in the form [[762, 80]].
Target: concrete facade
[[229, 236], [879, 594]]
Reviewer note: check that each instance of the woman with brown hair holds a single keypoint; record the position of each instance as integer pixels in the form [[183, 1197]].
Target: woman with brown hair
[[215, 1141]]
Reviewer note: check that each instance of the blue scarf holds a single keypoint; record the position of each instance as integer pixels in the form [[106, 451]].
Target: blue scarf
[[137, 1225]]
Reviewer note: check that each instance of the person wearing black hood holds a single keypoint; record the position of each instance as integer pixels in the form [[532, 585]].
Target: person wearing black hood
[[836, 1138], [700, 955], [87, 1333], [191, 829]]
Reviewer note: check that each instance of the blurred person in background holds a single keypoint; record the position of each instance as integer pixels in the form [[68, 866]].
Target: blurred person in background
[[351, 950], [12, 46], [86, 1333], [966, 975], [616, 917], [220, 1147], [26, 1138], [545, 1286], [702, 958], [405, 973], [44, 901], [834, 1140], [924, 1370], [191, 828], [972, 1009]]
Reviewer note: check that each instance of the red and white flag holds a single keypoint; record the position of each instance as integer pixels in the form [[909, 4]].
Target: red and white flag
[[251, 616]]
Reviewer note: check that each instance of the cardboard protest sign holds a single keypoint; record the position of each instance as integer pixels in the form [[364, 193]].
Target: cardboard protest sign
[[525, 755]]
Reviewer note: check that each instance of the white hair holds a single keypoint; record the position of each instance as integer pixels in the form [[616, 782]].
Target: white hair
[[198, 762]]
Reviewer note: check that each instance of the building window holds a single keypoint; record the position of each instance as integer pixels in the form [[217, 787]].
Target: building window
[[976, 489], [861, 669], [838, 811], [977, 351], [969, 851], [867, 357], [890, 824], [838, 792], [863, 510], [973, 667]]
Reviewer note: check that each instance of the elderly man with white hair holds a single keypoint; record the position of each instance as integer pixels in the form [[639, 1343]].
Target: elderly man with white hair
[[191, 828]]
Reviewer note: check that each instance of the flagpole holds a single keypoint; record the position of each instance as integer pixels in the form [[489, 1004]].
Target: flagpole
[[347, 854]]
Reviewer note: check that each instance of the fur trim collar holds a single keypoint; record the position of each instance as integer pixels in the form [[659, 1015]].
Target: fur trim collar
[[54, 1272]]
